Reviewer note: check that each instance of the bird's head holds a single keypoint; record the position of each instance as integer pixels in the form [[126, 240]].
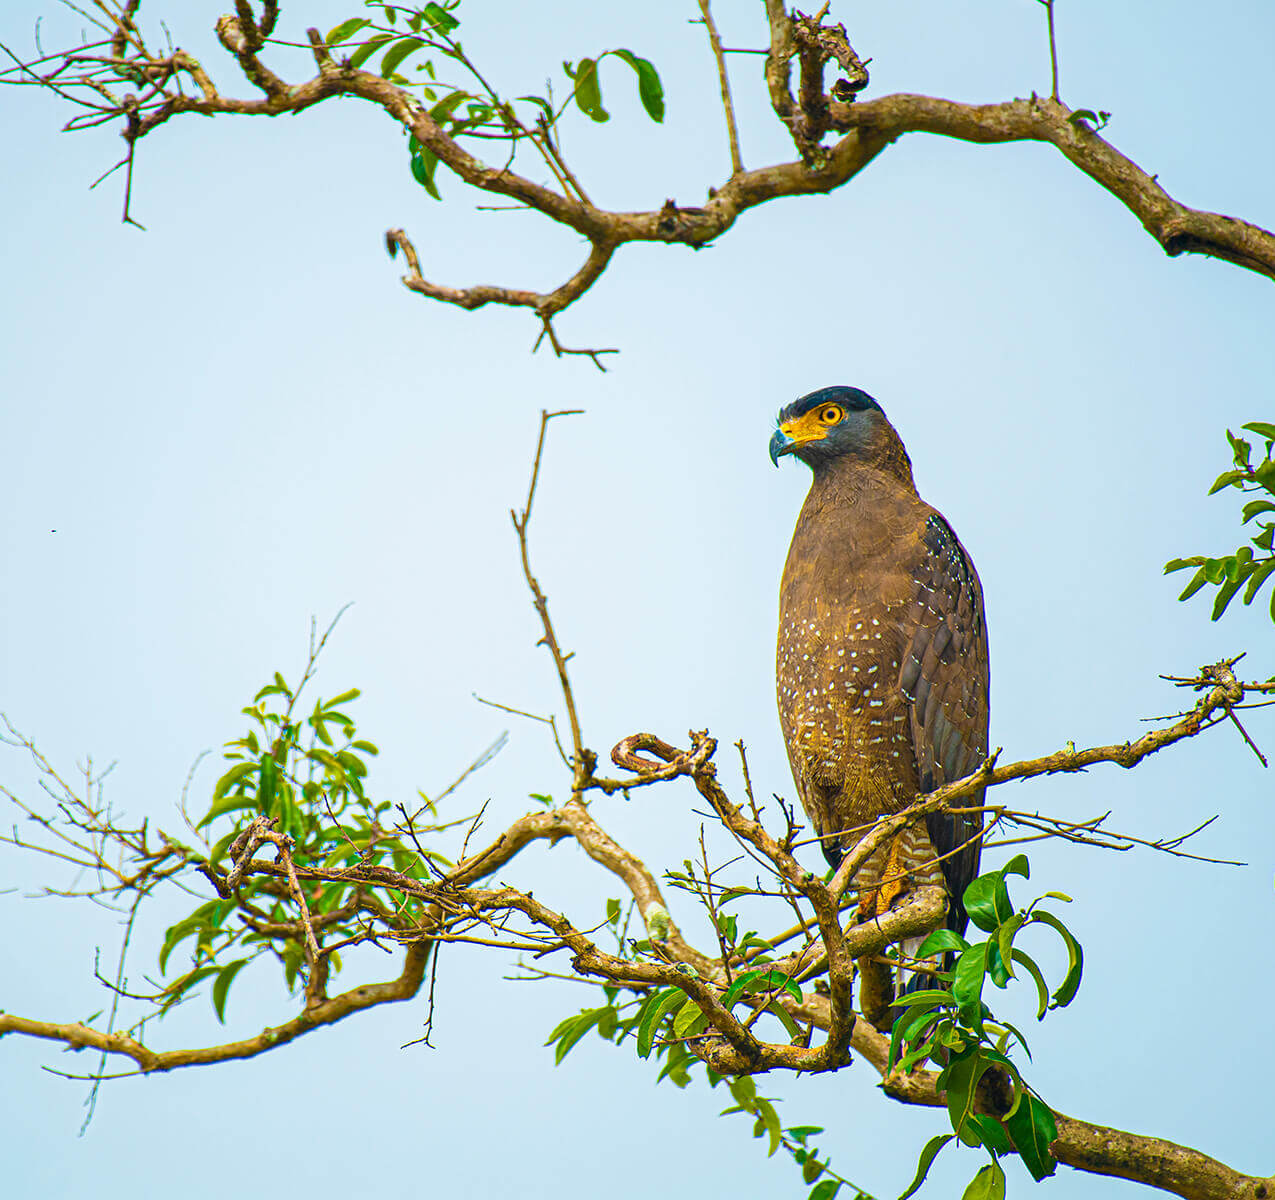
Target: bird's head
[[829, 424]]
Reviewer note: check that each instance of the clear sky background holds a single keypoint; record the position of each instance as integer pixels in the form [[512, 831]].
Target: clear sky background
[[239, 418]]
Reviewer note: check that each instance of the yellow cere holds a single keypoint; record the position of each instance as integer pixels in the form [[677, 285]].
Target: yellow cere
[[814, 425]]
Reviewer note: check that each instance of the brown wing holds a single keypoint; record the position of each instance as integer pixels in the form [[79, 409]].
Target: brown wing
[[944, 674]]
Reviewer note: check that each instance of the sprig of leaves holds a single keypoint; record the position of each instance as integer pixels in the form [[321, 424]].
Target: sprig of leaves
[[1243, 569], [662, 1021], [952, 1024], [460, 112], [587, 87]]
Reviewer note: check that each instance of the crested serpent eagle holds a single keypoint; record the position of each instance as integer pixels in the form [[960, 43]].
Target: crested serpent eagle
[[881, 668]]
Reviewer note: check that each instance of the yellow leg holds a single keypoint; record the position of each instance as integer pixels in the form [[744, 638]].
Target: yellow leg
[[895, 873]]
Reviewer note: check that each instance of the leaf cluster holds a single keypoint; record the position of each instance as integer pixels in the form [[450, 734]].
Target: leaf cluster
[[309, 775], [664, 1021], [1243, 569], [952, 1024]]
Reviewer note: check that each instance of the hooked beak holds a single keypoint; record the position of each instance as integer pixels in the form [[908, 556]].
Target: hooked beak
[[780, 443]]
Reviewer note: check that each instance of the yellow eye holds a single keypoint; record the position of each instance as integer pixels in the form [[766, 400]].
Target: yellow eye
[[831, 415]]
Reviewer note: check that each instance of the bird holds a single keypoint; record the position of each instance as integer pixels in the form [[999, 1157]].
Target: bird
[[882, 662]]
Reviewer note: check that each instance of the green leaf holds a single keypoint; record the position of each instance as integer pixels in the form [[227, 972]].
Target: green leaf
[[650, 89], [996, 1058], [1255, 508], [811, 1169], [791, 1028], [1075, 965], [370, 47], [183, 984], [1257, 578], [393, 59], [926, 996], [987, 897], [424, 162], [608, 1023], [676, 1064], [440, 18], [653, 1012], [1005, 939], [221, 986], [1226, 479], [1240, 448], [1032, 1128], [798, 1133], [1226, 593], [343, 32], [292, 960], [1034, 971], [218, 851], [613, 911], [576, 1029], [915, 1021], [825, 1190], [993, 1133], [588, 93], [1018, 1033], [230, 804], [1215, 569], [177, 934], [997, 968], [967, 984], [1262, 429], [922, 1051], [1197, 582], [962, 1076], [770, 1118], [896, 1036], [760, 981], [689, 1021], [229, 779], [560, 1028], [988, 1184], [928, 1154], [744, 1089], [940, 940]]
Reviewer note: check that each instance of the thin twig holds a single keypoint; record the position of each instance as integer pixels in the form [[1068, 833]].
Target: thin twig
[[728, 105], [581, 767], [1053, 47]]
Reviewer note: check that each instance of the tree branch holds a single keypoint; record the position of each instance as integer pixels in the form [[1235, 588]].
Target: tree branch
[[79, 1036], [867, 128], [723, 79]]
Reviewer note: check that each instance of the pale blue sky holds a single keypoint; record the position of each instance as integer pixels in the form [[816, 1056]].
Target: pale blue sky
[[239, 418]]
